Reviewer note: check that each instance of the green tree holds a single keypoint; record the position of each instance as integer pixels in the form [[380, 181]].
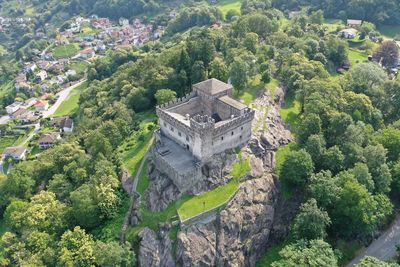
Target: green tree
[[390, 139], [164, 96], [333, 159], [314, 253], [361, 173], [113, 254], [76, 249], [84, 208], [250, 42], [311, 222], [297, 167], [387, 54], [374, 262], [218, 69], [198, 72], [324, 188], [238, 74]]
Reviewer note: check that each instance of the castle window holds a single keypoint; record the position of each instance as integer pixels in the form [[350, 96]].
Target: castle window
[[172, 129], [222, 138], [179, 134], [241, 128], [165, 124], [232, 133], [187, 138], [240, 137]]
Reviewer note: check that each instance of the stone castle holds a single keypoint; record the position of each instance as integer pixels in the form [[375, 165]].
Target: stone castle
[[192, 129]]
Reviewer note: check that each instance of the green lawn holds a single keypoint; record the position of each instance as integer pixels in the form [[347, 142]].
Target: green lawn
[[356, 56], [144, 181], [152, 219], [6, 141], [389, 31], [254, 89], [332, 25], [208, 200], [290, 112], [71, 104], [64, 51], [136, 146], [79, 66], [218, 196], [226, 5]]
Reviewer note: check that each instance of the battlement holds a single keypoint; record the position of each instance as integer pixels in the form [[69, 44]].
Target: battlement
[[177, 101], [202, 123], [248, 116]]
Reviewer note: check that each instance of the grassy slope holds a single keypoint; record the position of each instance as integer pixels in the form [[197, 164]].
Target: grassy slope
[[136, 146], [79, 66], [226, 5], [64, 51], [71, 104]]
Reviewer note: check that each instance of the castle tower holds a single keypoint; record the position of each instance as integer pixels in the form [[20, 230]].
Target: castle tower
[[203, 131]]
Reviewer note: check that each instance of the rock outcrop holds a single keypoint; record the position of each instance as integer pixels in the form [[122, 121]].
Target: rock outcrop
[[240, 234], [155, 248]]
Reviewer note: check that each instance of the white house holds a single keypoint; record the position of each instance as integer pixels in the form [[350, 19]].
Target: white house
[[349, 33], [31, 67], [10, 109], [70, 73], [42, 75], [87, 53], [41, 105], [123, 22], [17, 153]]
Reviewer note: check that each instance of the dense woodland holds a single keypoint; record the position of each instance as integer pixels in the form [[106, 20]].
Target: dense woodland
[[345, 161]]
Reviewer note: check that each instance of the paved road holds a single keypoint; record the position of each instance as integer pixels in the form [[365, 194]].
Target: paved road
[[383, 248], [63, 95]]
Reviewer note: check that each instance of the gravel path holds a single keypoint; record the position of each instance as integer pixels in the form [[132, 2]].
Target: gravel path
[[384, 247]]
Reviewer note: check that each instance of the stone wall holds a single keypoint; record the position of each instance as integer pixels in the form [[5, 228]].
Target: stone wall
[[183, 180]]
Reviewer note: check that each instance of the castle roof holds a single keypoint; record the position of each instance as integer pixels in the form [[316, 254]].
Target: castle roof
[[212, 86], [232, 102]]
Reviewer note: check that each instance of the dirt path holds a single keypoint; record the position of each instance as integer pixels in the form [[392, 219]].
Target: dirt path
[[383, 248]]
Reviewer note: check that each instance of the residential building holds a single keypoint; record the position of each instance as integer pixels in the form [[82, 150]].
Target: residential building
[[48, 140], [17, 153], [354, 23], [42, 75], [41, 105], [349, 33], [65, 124], [87, 53], [13, 107]]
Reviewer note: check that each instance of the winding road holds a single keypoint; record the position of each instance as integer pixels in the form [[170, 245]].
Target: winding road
[[384, 247]]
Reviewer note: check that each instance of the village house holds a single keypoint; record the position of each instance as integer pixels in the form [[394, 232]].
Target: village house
[[30, 68], [354, 23], [17, 153], [10, 109], [87, 53], [42, 75], [30, 102], [24, 115], [65, 124], [123, 22], [349, 33], [41, 105], [48, 140], [70, 73]]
